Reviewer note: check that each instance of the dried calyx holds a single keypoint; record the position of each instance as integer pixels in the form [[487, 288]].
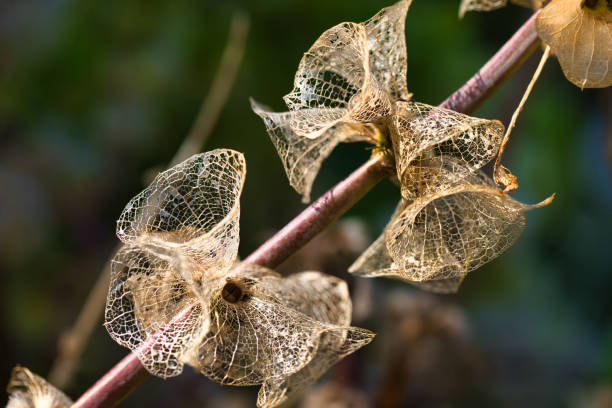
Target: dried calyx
[[351, 86], [579, 32], [174, 287], [27, 390]]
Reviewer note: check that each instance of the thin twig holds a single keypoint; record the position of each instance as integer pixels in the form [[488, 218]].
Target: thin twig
[[118, 382], [219, 91], [73, 341], [502, 175]]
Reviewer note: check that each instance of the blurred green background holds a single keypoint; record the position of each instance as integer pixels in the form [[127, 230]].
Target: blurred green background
[[93, 94]]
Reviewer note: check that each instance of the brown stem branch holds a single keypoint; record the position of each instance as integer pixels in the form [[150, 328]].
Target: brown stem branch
[[496, 71], [126, 375]]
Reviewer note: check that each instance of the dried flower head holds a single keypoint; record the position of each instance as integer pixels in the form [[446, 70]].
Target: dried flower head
[[27, 390], [173, 289]]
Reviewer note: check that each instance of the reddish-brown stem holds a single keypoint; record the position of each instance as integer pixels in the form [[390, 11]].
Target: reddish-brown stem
[[128, 373], [496, 71], [321, 213]]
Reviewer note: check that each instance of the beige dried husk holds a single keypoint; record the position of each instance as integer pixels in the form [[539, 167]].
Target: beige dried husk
[[579, 33], [580, 36], [436, 239], [345, 84], [421, 131], [28, 390], [172, 288], [351, 86], [489, 5]]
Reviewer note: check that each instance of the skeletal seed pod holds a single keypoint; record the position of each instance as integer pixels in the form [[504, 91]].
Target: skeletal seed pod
[[28, 390], [174, 289]]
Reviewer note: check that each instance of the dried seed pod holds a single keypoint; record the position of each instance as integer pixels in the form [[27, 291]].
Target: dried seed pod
[[439, 237], [579, 33], [283, 333], [344, 88], [194, 207], [172, 290], [353, 72], [421, 131], [180, 233], [302, 157], [27, 390]]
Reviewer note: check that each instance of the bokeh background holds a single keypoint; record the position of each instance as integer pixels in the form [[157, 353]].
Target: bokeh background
[[93, 95]]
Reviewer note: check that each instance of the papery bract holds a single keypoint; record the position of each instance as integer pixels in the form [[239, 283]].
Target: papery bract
[[28, 390], [440, 236], [175, 289], [180, 233], [580, 35], [346, 83]]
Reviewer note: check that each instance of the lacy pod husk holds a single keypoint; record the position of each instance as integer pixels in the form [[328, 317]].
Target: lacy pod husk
[[28, 390], [459, 221], [344, 88], [175, 287]]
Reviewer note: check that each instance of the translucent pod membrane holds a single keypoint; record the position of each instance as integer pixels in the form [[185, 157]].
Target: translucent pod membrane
[[283, 333], [302, 157], [420, 132], [27, 390], [174, 297], [435, 240], [179, 234], [345, 87]]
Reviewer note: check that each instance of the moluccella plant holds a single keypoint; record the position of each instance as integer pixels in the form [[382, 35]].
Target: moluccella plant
[[178, 293]]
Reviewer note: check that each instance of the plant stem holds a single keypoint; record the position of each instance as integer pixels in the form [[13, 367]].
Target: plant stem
[[128, 373], [496, 71]]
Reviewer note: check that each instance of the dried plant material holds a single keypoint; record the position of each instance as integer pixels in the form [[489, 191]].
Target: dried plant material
[[179, 233], [172, 288], [489, 5], [27, 390], [302, 157], [501, 175], [420, 131], [344, 88], [579, 32], [376, 262], [480, 5], [439, 237], [351, 73], [283, 333], [194, 206]]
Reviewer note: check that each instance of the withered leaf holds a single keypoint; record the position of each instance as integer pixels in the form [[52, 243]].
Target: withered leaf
[[421, 131], [302, 157]]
